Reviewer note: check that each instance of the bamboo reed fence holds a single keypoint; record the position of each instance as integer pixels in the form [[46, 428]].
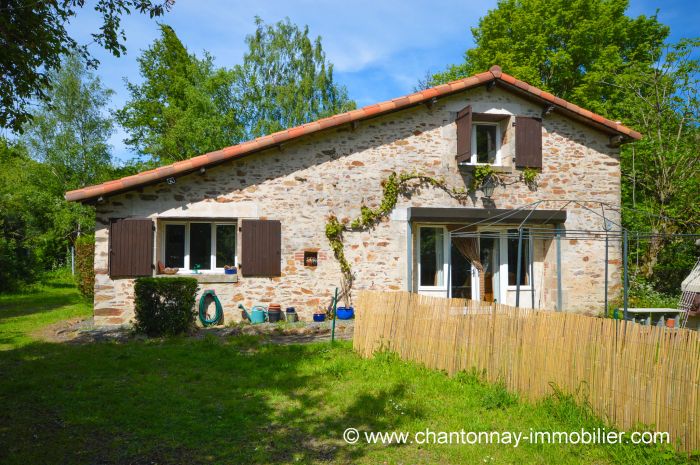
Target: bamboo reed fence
[[629, 374]]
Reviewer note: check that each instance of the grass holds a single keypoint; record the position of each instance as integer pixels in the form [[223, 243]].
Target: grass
[[51, 300], [182, 400]]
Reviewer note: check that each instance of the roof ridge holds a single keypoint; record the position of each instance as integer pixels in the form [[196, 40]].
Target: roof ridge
[[183, 167]]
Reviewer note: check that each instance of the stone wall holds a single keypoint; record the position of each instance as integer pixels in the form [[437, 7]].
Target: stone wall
[[335, 172]]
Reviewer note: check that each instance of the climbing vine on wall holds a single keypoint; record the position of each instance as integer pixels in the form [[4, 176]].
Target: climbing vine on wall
[[529, 177], [392, 187], [401, 184]]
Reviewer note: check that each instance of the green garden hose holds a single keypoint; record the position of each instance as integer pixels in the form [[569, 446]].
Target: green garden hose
[[203, 309]]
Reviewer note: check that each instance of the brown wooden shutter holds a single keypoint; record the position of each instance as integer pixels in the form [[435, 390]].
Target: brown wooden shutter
[[261, 246], [464, 135], [528, 142], [130, 248]]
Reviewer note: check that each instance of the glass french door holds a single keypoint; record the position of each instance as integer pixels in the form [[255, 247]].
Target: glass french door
[[464, 282], [489, 256]]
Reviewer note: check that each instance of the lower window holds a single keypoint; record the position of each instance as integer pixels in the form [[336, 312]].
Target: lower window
[[199, 245], [432, 263]]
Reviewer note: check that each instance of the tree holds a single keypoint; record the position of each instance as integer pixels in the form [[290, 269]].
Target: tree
[[17, 263], [662, 171], [591, 53], [285, 80], [67, 148], [183, 108], [566, 47], [33, 38], [69, 133]]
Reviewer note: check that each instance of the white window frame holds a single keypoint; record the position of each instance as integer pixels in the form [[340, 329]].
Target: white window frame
[[473, 159], [446, 258], [212, 263]]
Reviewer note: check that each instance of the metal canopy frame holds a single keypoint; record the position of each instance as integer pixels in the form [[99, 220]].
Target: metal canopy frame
[[532, 213]]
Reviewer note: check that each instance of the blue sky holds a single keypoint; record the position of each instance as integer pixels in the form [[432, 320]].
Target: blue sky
[[380, 48]]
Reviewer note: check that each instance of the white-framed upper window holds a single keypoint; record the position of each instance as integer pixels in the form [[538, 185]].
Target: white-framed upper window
[[433, 257], [201, 245], [486, 143]]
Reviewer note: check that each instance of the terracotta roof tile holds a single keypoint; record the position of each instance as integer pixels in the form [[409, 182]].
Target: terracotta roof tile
[[261, 143], [508, 78]]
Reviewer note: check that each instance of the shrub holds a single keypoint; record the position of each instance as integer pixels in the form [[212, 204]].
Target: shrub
[[165, 306], [85, 265], [675, 261]]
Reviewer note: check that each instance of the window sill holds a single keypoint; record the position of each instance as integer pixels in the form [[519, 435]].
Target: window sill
[[204, 277], [468, 168]]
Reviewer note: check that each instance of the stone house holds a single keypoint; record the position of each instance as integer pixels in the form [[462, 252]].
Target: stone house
[[263, 205]]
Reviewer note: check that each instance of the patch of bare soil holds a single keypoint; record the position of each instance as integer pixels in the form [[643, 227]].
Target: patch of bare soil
[[62, 331], [79, 331], [295, 333], [82, 331]]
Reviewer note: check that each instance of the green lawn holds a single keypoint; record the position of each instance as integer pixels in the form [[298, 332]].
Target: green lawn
[[238, 401], [50, 301]]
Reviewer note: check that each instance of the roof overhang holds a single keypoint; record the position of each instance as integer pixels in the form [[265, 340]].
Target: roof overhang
[[578, 114], [473, 215]]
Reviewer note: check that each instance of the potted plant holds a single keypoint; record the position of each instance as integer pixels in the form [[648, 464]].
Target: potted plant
[[345, 313], [320, 314], [230, 269]]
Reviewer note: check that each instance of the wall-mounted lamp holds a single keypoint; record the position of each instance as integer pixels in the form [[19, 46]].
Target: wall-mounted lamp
[[488, 186]]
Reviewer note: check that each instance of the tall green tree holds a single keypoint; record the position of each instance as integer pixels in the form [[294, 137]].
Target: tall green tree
[[67, 148], [285, 80], [569, 48], [70, 132], [17, 263], [34, 229], [33, 39], [184, 107], [662, 171]]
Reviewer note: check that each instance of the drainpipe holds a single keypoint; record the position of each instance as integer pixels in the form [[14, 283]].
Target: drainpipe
[[606, 274], [625, 271], [560, 297], [518, 267], [532, 270], [409, 252]]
